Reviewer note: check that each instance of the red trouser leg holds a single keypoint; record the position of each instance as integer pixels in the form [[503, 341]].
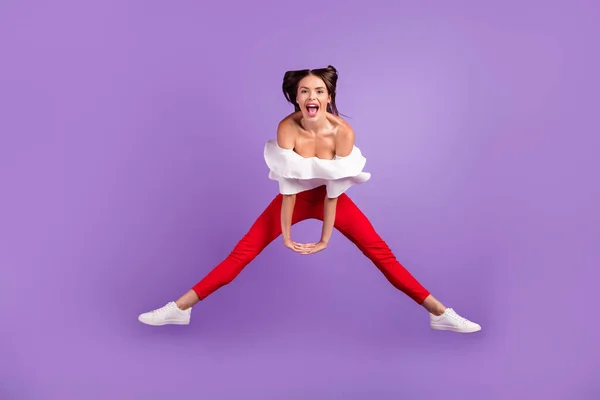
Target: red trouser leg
[[349, 220], [355, 226], [264, 230]]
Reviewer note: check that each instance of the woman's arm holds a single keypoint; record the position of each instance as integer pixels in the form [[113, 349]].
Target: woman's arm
[[343, 147], [287, 210], [286, 139], [329, 209]]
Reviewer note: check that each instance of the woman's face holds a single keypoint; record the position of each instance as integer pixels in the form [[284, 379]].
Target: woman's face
[[312, 97]]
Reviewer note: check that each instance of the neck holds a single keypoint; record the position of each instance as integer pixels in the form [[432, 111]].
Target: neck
[[316, 126]]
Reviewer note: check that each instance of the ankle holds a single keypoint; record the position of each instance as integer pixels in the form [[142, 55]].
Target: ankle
[[433, 306], [187, 300], [439, 311]]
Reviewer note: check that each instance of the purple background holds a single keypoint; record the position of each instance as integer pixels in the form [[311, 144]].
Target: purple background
[[131, 163]]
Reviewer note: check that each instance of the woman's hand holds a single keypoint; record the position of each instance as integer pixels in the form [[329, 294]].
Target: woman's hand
[[297, 247], [312, 248]]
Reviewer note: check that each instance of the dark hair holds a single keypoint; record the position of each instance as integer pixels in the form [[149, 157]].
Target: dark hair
[[291, 79]]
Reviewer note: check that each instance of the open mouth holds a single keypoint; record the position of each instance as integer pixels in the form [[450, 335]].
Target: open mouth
[[312, 109]]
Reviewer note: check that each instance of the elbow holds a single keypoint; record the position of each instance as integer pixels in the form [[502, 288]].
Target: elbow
[[288, 200]]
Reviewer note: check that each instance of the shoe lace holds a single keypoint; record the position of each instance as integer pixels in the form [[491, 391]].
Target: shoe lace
[[160, 310], [458, 318]]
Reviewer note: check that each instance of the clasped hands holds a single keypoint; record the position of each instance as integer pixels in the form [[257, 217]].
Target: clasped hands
[[305, 248]]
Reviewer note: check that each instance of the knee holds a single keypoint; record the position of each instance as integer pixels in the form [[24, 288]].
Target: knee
[[377, 247], [245, 251]]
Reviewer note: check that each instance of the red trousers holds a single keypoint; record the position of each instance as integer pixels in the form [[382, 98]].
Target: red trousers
[[349, 220]]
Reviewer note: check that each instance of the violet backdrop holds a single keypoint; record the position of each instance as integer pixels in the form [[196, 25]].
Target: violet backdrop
[[131, 163]]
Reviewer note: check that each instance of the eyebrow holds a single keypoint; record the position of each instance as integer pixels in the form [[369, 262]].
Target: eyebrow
[[304, 87]]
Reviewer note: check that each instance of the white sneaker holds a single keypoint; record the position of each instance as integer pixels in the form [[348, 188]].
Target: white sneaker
[[451, 321], [168, 314]]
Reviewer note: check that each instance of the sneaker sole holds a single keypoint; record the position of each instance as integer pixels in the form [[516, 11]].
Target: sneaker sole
[[453, 329], [164, 323]]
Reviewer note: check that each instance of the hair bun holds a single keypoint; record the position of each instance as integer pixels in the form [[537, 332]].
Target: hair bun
[[331, 68]]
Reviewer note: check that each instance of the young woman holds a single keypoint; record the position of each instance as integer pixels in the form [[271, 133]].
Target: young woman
[[315, 161]]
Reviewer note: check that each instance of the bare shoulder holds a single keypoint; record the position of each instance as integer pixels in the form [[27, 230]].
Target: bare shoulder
[[344, 138], [337, 120], [287, 132]]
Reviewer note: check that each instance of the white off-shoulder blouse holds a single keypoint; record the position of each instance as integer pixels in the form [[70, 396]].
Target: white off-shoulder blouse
[[296, 174]]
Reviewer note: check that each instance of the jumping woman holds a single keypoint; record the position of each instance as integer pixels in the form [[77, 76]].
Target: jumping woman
[[315, 161]]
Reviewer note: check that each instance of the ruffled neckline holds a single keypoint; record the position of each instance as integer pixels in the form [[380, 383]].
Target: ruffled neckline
[[286, 163]]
